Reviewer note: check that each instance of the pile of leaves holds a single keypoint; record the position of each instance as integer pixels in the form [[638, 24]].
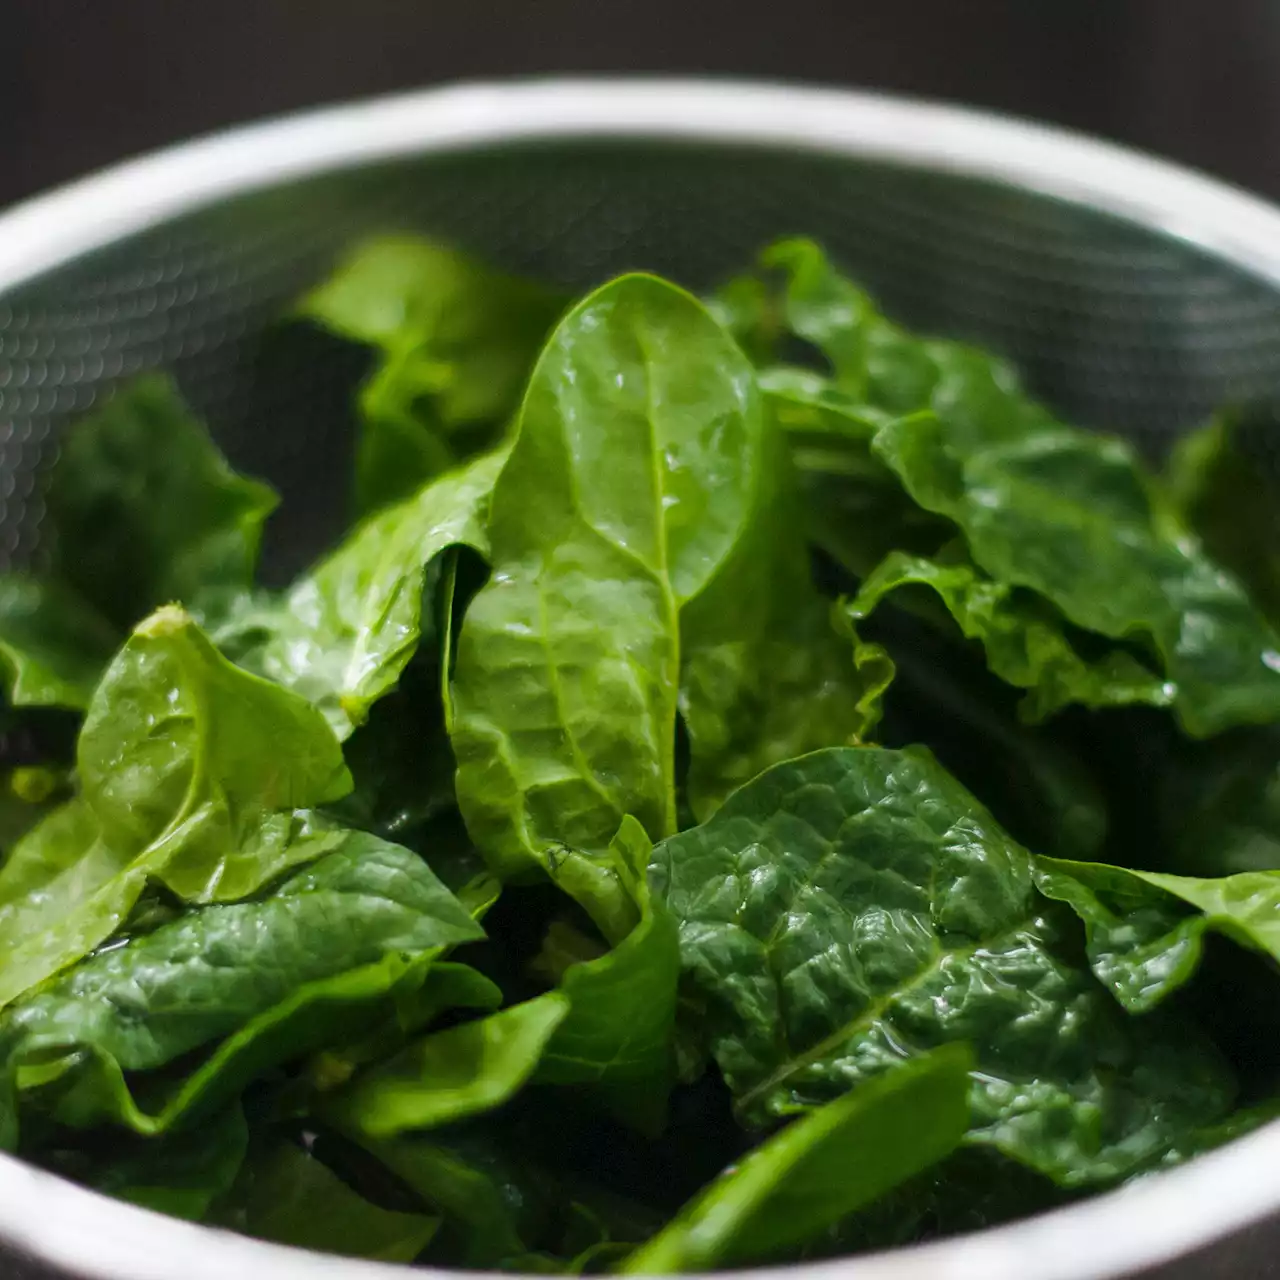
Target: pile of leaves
[[751, 785]]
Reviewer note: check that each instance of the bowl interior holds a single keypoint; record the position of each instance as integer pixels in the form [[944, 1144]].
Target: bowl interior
[[1116, 325]]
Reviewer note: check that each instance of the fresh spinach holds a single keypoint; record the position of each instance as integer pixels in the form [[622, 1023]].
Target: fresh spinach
[[752, 786]]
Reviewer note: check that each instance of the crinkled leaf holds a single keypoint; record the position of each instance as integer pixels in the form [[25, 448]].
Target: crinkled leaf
[[270, 979], [1146, 930], [635, 469], [1025, 643], [345, 631], [450, 1075], [618, 1035], [144, 510], [853, 908], [53, 646], [456, 342], [806, 1178], [289, 1197]]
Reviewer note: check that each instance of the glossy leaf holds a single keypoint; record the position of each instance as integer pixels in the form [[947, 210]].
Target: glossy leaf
[[53, 646], [617, 1037], [634, 471], [145, 511], [191, 771], [289, 1197], [270, 979], [1146, 930], [456, 342], [1025, 643], [806, 1178], [344, 632], [450, 1075], [855, 907]]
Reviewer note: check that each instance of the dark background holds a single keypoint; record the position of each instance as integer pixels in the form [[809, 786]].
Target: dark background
[[85, 82]]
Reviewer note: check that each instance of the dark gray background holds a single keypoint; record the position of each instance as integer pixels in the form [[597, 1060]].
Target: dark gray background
[[85, 82]]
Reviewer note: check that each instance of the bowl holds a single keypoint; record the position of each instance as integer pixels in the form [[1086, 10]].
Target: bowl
[[1133, 295]]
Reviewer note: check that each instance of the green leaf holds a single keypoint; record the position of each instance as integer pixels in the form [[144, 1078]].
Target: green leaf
[[819, 1169], [456, 340], [1221, 490], [289, 1197], [853, 908], [634, 473], [1143, 942], [182, 1174], [1068, 515], [344, 632], [452, 1074], [617, 1036], [53, 646], [1025, 643], [191, 771], [270, 979], [145, 511]]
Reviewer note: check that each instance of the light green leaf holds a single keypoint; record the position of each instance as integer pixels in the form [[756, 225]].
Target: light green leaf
[[853, 908], [145, 511], [1025, 643], [635, 471], [457, 340], [820, 1168], [452, 1074], [344, 632], [1143, 942]]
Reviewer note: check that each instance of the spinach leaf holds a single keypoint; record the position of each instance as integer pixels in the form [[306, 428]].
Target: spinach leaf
[[1026, 644], [191, 771], [344, 633], [288, 1196], [270, 979], [1146, 930], [53, 646], [450, 1075], [1222, 492], [145, 511], [820, 1168], [182, 1174], [1060, 512], [853, 908], [618, 1034], [633, 474], [456, 340]]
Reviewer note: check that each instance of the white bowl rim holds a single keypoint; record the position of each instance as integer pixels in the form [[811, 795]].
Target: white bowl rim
[[1140, 1225]]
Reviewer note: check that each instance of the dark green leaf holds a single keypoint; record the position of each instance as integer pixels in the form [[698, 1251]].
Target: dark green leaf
[[820, 1168], [145, 511], [853, 908], [53, 646], [1025, 643], [1223, 493], [277, 977], [617, 1036], [289, 1197]]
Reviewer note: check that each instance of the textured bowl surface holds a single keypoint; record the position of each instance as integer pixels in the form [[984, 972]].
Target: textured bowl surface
[[1134, 296]]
